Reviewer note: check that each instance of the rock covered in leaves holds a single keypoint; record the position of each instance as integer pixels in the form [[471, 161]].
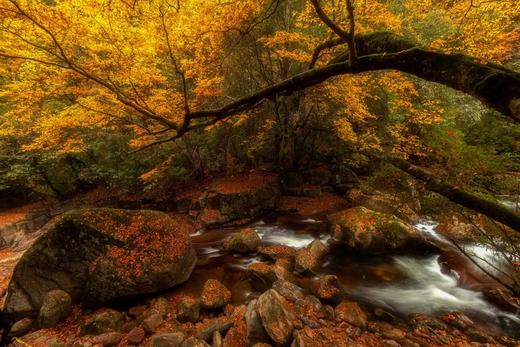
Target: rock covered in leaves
[[328, 288], [263, 275], [369, 230], [309, 258], [277, 251], [214, 295], [351, 313], [98, 255], [246, 241], [277, 319], [237, 198]]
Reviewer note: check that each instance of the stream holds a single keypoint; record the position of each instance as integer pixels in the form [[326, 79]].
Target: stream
[[399, 284]]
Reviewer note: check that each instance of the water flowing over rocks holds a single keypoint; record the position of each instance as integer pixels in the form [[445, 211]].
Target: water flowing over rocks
[[288, 284], [372, 231], [246, 241]]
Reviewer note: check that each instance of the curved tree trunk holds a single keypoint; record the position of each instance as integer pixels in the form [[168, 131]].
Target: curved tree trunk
[[459, 196]]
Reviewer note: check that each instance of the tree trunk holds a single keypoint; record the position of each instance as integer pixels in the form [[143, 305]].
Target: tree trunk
[[459, 196]]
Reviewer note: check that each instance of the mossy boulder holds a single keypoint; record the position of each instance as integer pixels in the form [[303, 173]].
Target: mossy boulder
[[101, 255], [245, 241], [372, 231]]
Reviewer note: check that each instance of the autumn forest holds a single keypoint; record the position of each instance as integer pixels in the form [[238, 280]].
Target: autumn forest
[[259, 173]]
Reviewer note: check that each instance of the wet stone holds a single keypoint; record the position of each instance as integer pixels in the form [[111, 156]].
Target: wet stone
[[351, 313], [136, 336], [277, 251], [21, 327], [137, 311], [188, 310], [167, 339], [206, 329], [152, 322], [108, 339], [102, 322], [328, 288], [457, 320], [194, 342]]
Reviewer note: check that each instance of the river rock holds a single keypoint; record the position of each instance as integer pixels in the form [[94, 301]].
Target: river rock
[[457, 230], [263, 275], [214, 295], [276, 317], [56, 306], [102, 322], [372, 231], [194, 342], [108, 339], [167, 339], [457, 320], [277, 251], [502, 299], [206, 329], [424, 320], [328, 288], [152, 322], [188, 310], [309, 258], [21, 327], [243, 198], [136, 336], [288, 290], [351, 313], [99, 255], [246, 241], [159, 306], [255, 332]]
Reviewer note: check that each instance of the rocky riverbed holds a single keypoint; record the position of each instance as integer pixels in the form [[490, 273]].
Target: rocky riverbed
[[330, 275]]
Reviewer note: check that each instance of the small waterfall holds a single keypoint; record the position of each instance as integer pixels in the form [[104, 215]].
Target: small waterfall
[[275, 234], [428, 290]]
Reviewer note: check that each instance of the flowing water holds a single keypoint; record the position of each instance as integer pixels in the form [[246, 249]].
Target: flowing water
[[401, 284]]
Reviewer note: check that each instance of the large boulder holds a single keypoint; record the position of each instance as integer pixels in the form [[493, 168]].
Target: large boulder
[[238, 198], [372, 231], [100, 255]]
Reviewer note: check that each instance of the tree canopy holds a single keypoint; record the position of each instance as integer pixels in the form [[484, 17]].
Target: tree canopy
[[79, 76]]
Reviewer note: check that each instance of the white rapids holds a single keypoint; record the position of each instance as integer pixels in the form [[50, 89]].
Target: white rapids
[[428, 290]]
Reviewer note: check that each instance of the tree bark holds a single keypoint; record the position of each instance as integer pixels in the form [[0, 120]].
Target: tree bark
[[459, 196], [494, 85]]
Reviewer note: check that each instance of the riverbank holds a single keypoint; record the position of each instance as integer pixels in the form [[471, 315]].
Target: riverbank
[[270, 293]]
